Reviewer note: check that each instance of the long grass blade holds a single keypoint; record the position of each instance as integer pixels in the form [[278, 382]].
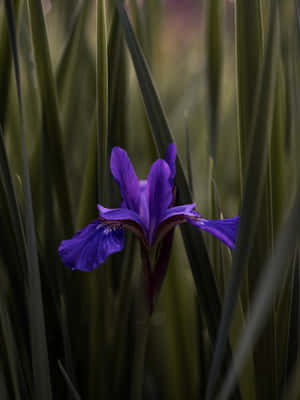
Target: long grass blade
[[274, 337], [214, 69], [266, 289], [189, 157], [249, 47], [13, 208], [118, 85], [41, 373], [3, 384], [252, 197], [65, 76], [71, 387], [88, 199], [5, 68], [297, 18], [10, 345], [100, 284], [76, 72], [50, 109], [13, 269], [102, 100], [70, 47], [292, 345]]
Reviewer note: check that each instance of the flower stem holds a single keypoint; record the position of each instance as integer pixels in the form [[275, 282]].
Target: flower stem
[[139, 357], [122, 316], [143, 315]]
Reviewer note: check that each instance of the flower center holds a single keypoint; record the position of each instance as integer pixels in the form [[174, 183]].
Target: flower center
[[108, 227]]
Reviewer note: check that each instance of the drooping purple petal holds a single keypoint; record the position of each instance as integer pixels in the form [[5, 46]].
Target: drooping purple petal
[[185, 210], [223, 229], [91, 246], [158, 193], [172, 217], [170, 159], [119, 214], [126, 178], [125, 217]]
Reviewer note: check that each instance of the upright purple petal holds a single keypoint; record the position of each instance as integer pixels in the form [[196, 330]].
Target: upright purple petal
[[170, 159], [144, 208], [143, 185], [91, 246], [158, 193], [126, 178], [223, 229]]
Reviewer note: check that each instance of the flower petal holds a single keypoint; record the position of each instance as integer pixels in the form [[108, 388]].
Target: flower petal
[[143, 185], [170, 159], [126, 178], [223, 229], [185, 210], [158, 193], [144, 208], [125, 217], [91, 246], [172, 217]]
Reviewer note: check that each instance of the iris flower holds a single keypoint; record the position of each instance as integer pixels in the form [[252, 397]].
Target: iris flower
[[148, 209]]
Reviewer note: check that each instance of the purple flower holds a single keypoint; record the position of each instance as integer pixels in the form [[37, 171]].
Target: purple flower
[[148, 209]]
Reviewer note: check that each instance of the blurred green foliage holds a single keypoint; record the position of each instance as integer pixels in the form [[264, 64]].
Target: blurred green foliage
[[212, 70]]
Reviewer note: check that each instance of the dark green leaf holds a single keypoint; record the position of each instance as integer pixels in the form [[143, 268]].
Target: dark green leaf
[[42, 385], [214, 69], [5, 67], [253, 191], [11, 348], [50, 111], [263, 298], [249, 48], [102, 101], [71, 387]]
